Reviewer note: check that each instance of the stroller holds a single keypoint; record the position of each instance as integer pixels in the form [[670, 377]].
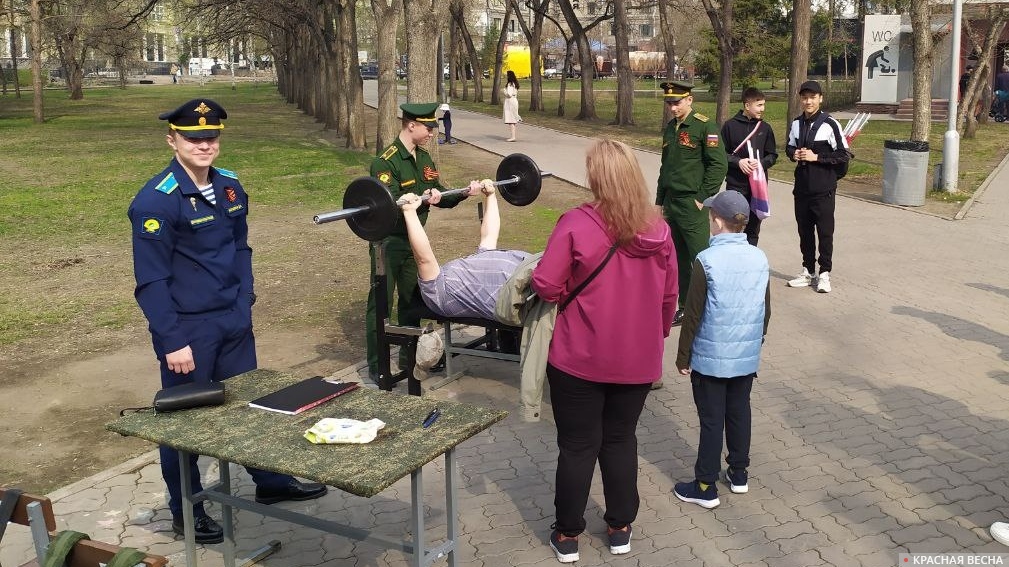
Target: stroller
[[1000, 106]]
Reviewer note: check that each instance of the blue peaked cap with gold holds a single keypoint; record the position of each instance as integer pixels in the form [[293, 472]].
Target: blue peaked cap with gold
[[198, 118]]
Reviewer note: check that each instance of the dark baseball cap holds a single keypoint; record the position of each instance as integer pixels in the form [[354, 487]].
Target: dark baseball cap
[[729, 205], [810, 86]]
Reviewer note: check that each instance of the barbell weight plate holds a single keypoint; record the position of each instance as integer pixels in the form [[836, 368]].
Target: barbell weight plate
[[529, 179], [377, 221]]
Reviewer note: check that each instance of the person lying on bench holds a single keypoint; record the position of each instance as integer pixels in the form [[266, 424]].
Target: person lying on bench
[[468, 286]]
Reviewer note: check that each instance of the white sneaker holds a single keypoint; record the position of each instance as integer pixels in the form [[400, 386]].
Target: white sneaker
[[823, 282], [1000, 531], [804, 279]]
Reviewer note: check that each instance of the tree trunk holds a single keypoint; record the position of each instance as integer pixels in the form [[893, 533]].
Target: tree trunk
[[625, 77], [587, 109], [797, 74], [471, 53], [921, 90], [669, 44], [979, 80], [721, 24], [830, 44], [387, 17], [495, 95], [350, 84], [426, 20], [36, 63]]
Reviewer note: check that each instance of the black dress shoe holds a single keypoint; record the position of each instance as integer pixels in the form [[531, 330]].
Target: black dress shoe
[[294, 491], [438, 366], [207, 530], [678, 317]]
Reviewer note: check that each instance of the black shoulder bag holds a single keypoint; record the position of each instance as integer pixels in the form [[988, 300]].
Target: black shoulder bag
[[586, 281]]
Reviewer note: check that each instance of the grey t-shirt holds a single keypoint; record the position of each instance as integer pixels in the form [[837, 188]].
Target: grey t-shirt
[[468, 287]]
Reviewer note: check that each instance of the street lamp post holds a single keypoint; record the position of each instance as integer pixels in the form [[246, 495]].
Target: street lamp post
[[951, 140]]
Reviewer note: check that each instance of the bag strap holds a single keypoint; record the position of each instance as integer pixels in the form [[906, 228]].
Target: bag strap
[[814, 128], [60, 547], [747, 139], [127, 557], [586, 281], [7, 506]]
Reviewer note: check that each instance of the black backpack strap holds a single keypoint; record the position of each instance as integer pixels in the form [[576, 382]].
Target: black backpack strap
[[7, 506], [586, 281], [810, 135]]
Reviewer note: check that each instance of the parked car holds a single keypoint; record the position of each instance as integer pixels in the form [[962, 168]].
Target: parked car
[[369, 71], [551, 73]]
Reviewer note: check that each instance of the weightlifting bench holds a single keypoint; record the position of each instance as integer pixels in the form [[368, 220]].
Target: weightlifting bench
[[36, 512], [483, 346]]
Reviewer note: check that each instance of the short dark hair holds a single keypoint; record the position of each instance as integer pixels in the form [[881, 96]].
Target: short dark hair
[[751, 94]]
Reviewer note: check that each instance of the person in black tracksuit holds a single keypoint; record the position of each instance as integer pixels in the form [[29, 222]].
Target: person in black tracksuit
[[735, 132], [817, 155]]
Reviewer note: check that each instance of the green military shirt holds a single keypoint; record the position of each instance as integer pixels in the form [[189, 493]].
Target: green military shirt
[[397, 169], [694, 162]]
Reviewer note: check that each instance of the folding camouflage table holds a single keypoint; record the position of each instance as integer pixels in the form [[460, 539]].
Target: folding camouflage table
[[237, 433]]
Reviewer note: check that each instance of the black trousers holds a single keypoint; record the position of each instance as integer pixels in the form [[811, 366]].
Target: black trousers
[[595, 422], [753, 225], [721, 403], [814, 217]]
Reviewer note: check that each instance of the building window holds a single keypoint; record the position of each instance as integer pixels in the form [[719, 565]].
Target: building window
[[511, 26], [592, 8], [497, 23], [158, 13], [646, 30]]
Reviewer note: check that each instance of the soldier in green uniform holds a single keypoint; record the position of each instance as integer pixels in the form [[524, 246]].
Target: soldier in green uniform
[[693, 167], [405, 167]]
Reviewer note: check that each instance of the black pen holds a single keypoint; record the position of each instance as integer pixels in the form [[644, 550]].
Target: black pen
[[431, 417]]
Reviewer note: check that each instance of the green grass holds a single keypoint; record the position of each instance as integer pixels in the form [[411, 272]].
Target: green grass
[[978, 157]]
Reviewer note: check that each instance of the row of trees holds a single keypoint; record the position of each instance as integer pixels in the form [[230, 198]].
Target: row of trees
[[315, 45]]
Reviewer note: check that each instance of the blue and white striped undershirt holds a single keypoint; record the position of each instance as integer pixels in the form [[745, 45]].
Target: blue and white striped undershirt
[[208, 193]]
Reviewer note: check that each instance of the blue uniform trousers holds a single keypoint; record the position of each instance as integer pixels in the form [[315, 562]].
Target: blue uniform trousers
[[223, 346]]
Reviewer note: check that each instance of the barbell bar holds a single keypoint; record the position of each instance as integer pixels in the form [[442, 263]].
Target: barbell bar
[[371, 211]]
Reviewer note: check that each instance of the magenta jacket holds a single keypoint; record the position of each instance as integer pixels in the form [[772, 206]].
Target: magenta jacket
[[614, 330]]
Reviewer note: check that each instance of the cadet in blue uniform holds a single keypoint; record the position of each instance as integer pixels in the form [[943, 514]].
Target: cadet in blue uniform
[[405, 167], [693, 168], [193, 267]]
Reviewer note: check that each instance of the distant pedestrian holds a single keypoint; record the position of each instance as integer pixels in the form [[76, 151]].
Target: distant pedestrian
[[1002, 80], [446, 120], [724, 327], [174, 70], [748, 127], [511, 104], [965, 80], [693, 168], [815, 142]]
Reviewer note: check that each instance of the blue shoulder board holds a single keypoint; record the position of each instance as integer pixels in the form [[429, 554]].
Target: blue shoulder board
[[168, 184], [227, 173]]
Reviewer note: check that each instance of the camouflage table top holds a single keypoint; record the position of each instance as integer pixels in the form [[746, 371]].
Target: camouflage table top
[[274, 441]]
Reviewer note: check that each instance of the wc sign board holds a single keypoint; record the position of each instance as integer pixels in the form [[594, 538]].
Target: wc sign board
[[881, 51]]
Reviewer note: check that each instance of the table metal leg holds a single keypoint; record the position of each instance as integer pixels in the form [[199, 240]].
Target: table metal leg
[[187, 508], [417, 518], [227, 515], [450, 506]]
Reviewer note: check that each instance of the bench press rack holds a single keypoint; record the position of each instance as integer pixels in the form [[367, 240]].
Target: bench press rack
[[406, 337]]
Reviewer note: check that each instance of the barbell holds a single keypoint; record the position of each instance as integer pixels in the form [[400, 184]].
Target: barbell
[[371, 211]]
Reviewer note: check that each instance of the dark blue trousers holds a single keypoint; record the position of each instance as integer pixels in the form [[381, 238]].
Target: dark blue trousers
[[223, 346], [721, 403]]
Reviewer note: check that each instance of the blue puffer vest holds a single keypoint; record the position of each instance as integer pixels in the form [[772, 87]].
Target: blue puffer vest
[[727, 343]]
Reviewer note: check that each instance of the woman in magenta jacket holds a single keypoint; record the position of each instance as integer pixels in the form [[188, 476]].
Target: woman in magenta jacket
[[607, 344]]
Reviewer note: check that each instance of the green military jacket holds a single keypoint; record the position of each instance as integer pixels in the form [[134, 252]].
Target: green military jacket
[[694, 161], [402, 174]]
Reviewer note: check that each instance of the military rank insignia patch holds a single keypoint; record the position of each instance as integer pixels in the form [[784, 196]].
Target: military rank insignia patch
[[712, 140], [430, 173], [230, 193], [152, 226], [385, 177]]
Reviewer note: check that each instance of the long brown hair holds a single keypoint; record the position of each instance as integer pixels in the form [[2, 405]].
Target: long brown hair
[[621, 196]]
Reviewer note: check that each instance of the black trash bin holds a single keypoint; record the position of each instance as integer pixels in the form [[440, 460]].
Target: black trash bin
[[905, 170]]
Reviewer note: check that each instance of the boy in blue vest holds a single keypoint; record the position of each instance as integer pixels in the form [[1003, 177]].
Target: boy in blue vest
[[725, 319]]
